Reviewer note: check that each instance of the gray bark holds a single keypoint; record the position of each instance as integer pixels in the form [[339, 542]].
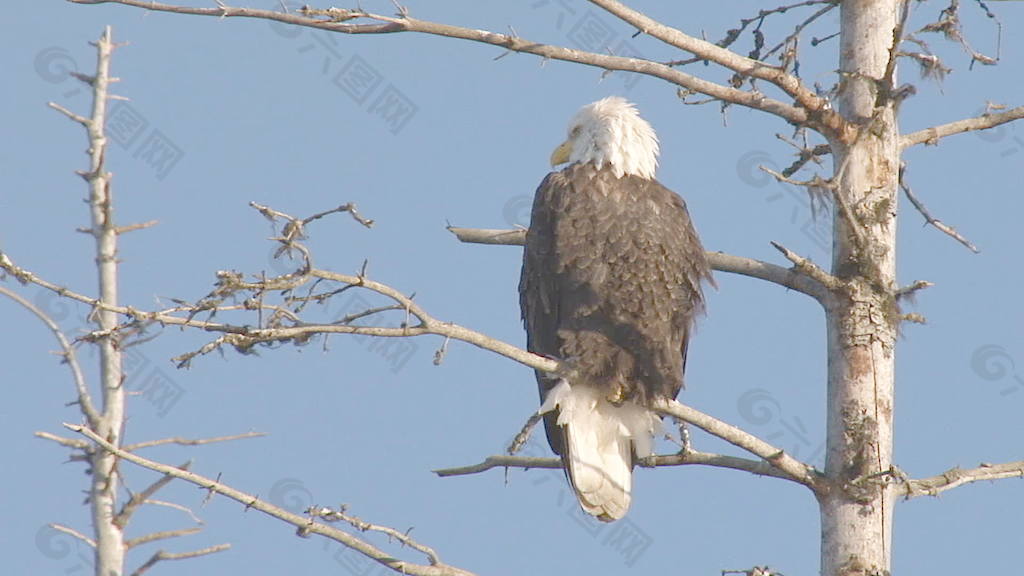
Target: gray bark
[[862, 318]]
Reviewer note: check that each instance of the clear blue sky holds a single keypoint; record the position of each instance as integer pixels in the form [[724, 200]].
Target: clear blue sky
[[227, 112]]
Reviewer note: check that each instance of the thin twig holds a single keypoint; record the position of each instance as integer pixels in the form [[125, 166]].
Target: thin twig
[[74, 533], [815, 182], [799, 28], [928, 218], [68, 354], [163, 535], [733, 34], [189, 441], [74, 443], [175, 506]]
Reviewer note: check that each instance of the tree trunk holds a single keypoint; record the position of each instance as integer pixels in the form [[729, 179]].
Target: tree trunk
[[856, 512], [110, 546]]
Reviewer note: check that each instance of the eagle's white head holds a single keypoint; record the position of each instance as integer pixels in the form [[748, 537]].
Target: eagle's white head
[[611, 131]]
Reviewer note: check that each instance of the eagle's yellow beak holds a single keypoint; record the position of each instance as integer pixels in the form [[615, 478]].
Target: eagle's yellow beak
[[562, 153]]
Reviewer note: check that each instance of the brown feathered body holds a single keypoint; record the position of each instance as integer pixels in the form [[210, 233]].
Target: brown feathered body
[[611, 284]]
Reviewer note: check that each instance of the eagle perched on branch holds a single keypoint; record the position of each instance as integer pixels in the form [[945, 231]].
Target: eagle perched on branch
[[611, 282]]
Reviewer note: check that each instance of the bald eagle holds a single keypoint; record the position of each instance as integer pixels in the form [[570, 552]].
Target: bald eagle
[[611, 282]]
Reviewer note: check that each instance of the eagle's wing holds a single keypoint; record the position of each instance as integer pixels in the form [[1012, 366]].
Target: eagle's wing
[[686, 266], [538, 289]]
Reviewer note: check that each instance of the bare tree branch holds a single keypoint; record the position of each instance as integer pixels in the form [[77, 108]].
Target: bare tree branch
[[335, 515], [245, 337], [190, 442], [805, 154], [74, 533], [812, 109], [141, 498], [955, 477], [163, 535], [272, 214], [762, 14], [504, 237], [931, 136], [950, 26], [755, 571], [133, 227], [687, 458], [74, 117], [928, 218], [789, 58], [909, 291], [162, 555], [501, 461], [773, 463], [305, 524], [786, 277], [815, 182], [74, 443], [67, 353], [175, 506], [820, 114], [779, 459], [809, 268]]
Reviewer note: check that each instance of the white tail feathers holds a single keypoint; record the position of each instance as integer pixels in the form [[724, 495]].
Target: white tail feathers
[[600, 439]]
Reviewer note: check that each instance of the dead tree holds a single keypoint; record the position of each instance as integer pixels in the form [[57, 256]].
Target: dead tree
[[856, 123]]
